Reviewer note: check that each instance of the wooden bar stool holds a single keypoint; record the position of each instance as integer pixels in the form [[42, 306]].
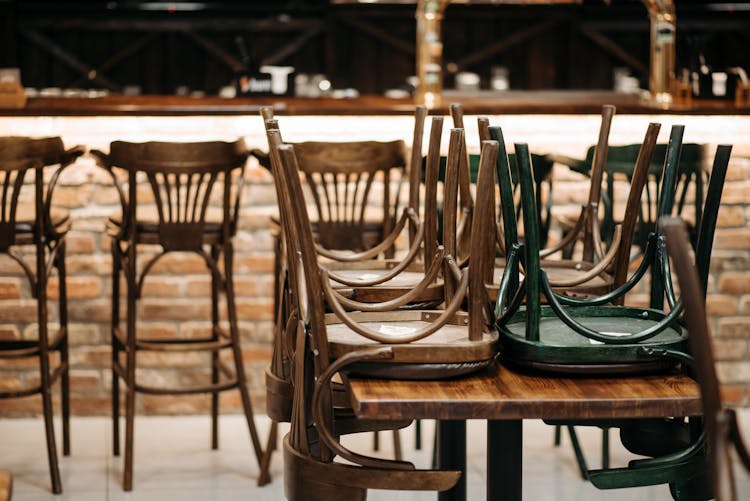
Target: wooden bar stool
[[195, 188], [32, 223]]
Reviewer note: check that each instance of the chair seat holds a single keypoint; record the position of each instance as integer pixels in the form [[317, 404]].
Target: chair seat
[[561, 349], [446, 353]]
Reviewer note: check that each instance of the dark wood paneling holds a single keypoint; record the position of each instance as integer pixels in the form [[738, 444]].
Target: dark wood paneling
[[361, 46]]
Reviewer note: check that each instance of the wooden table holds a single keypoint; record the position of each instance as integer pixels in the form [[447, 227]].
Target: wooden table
[[505, 397]]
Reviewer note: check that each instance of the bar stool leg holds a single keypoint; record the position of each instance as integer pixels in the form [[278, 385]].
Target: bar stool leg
[[44, 369], [130, 372], [215, 254], [237, 352], [64, 351], [114, 323]]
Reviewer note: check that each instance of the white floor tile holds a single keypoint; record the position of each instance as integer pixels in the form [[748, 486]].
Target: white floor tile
[[173, 461]]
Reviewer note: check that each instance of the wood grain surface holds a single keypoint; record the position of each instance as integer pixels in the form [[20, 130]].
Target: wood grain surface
[[504, 393]]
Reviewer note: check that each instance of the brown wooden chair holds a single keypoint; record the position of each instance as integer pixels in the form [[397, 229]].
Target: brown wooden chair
[[184, 180], [722, 429], [363, 276], [370, 341], [33, 222]]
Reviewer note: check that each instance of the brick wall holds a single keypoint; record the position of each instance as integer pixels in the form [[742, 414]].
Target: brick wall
[[176, 295]]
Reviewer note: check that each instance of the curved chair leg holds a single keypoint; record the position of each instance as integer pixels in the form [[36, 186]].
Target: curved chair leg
[[264, 477], [237, 352], [215, 251], [64, 351]]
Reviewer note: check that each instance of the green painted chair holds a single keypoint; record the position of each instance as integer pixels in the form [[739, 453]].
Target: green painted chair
[[590, 336]]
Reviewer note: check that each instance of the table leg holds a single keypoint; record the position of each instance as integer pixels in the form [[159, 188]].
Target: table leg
[[504, 459], [451, 448]]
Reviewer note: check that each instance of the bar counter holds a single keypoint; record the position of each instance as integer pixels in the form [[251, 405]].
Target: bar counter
[[482, 102]]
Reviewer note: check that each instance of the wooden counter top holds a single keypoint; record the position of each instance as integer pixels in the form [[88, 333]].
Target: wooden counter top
[[490, 103]]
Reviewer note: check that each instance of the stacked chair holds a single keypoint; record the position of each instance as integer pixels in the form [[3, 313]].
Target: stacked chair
[[596, 335], [372, 339], [41, 227]]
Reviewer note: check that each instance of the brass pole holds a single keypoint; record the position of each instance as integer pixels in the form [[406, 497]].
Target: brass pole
[[430, 51], [663, 27]]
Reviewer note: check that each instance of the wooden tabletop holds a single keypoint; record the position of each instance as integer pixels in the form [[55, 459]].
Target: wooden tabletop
[[502, 393]]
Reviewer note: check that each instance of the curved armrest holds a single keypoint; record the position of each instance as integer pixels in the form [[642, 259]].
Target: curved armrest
[[264, 159]]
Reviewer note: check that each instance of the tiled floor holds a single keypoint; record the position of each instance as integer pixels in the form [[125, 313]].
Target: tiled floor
[[173, 462]]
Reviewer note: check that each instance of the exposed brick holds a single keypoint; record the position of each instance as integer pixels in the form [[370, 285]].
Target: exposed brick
[[79, 243], [10, 288], [174, 309], [88, 287], [255, 263], [74, 196], [730, 348], [730, 217], [734, 327], [721, 305], [17, 310], [733, 372], [255, 309], [99, 264], [734, 394], [90, 310], [735, 282], [732, 238]]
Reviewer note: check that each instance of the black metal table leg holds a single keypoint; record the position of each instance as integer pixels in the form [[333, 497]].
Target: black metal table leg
[[451, 445], [504, 459]]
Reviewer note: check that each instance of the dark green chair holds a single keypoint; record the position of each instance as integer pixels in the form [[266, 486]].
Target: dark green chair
[[577, 335], [621, 164]]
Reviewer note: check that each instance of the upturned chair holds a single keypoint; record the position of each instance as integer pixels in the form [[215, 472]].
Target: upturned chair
[[34, 223], [185, 179], [627, 339], [365, 275], [722, 429], [370, 341]]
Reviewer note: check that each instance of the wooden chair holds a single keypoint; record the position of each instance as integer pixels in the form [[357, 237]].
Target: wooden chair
[[720, 422], [442, 343], [182, 178], [40, 226]]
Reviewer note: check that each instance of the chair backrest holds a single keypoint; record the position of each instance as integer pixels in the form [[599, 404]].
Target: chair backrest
[[341, 177], [182, 177], [18, 155]]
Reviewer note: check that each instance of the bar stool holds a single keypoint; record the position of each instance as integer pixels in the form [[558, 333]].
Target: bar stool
[[185, 216], [32, 222]]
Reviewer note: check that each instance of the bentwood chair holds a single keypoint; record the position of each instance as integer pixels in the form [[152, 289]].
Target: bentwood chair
[[371, 342], [627, 339], [32, 222], [195, 190], [720, 422]]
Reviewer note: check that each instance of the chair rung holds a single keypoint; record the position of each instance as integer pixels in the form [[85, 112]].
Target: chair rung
[[174, 345], [150, 390], [29, 348], [35, 389]]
